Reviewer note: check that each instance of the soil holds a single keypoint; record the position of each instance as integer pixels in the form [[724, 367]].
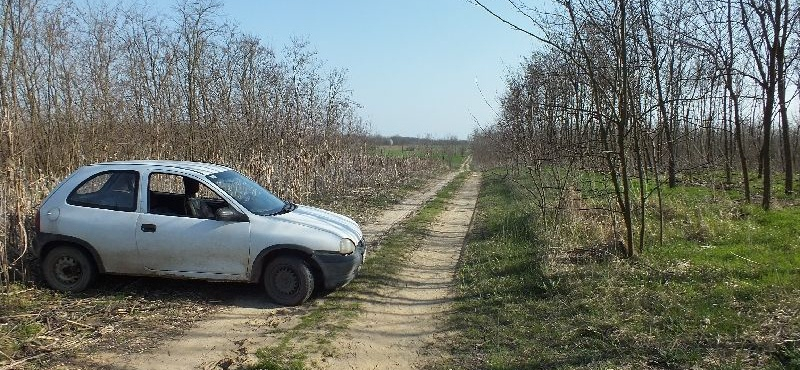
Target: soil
[[401, 321], [231, 336]]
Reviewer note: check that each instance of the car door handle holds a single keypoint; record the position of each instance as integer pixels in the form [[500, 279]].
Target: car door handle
[[149, 228]]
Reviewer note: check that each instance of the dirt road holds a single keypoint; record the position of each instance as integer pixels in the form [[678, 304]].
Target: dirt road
[[400, 321], [232, 336]]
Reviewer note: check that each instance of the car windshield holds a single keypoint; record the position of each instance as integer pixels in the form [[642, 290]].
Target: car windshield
[[249, 193]]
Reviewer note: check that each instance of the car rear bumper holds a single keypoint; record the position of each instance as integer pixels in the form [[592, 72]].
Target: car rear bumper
[[338, 270]]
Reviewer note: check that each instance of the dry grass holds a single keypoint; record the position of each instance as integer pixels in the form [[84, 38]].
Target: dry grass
[[42, 328]]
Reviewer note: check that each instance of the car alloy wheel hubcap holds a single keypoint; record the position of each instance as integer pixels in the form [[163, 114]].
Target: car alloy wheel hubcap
[[67, 270], [286, 281]]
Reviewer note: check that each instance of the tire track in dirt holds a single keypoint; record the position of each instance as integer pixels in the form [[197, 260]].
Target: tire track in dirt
[[232, 336], [402, 319]]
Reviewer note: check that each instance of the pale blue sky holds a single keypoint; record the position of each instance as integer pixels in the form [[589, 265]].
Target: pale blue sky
[[416, 66]]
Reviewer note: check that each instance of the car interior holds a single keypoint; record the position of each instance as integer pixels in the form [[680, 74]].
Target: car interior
[[175, 195]]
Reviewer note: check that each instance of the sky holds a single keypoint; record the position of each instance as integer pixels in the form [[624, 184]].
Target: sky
[[417, 67]]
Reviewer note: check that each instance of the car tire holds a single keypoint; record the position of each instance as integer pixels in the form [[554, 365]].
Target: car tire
[[288, 281], [68, 269]]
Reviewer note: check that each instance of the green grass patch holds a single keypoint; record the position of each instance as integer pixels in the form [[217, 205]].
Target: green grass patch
[[19, 325], [451, 155], [336, 311], [723, 292]]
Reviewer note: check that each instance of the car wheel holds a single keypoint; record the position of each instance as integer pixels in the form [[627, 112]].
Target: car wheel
[[288, 281], [68, 269]]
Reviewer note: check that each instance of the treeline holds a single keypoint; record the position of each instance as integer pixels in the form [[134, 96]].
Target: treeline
[[651, 93], [89, 82], [407, 140]]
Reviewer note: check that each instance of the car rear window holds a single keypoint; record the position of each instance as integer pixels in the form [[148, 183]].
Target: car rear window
[[114, 190]]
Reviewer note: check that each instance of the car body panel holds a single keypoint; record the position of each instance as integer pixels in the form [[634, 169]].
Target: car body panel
[[189, 247], [101, 227], [308, 220], [325, 221], [94, 226]]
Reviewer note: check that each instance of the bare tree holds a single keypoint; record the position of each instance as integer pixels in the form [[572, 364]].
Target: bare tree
[[646, 98], [767, 42], [783, 64]]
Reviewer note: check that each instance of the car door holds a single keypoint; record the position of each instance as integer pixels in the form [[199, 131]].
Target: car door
[[171, 241]]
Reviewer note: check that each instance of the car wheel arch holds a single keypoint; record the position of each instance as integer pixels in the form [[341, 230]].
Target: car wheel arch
[[83, 246], [270, 253]]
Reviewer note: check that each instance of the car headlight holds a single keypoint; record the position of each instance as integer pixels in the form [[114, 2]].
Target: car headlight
[[346, 246]]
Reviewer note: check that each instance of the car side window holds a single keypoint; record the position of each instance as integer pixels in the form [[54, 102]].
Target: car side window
[[114, 190], [176, 195]]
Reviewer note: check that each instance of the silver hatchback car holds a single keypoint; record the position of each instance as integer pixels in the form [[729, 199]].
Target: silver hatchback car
[[191, 220]]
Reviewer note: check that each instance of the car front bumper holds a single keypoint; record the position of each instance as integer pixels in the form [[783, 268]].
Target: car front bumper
[[338, 270]]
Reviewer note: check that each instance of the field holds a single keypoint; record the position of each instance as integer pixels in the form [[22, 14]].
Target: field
[[452, 154], [636, 208], [722, 292]]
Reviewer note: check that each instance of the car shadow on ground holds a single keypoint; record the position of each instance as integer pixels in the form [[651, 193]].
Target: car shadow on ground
[[182, 290]]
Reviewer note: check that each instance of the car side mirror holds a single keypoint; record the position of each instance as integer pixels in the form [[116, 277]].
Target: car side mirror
[[230, 215]]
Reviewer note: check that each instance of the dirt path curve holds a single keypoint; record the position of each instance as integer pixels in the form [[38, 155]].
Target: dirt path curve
[[233, 335], [400, 321]]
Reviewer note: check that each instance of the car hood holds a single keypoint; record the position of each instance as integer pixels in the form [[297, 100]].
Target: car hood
[[323, 220]]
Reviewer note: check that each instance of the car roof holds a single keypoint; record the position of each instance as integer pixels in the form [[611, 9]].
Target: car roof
[[198, 167]]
